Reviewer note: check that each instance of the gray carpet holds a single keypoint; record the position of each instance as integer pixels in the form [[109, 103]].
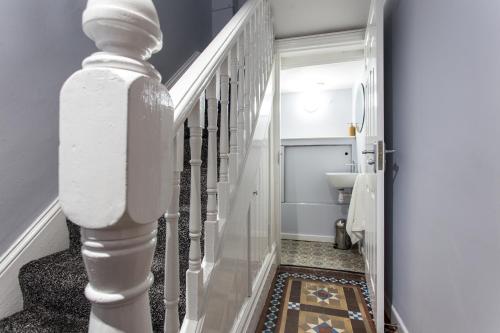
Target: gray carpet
[[53, 286]]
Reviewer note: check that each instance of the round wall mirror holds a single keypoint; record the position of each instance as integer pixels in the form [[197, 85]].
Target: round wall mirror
[[360, 107]]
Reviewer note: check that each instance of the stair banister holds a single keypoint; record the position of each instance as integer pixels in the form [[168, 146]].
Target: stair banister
[[115, 116]]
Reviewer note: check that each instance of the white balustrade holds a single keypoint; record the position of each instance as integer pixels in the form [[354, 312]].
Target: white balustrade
[[211, 224], [122, 147], [115, 116], [194, 275], [172, 285]]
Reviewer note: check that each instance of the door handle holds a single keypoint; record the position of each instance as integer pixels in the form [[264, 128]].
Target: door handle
[[364, 152]]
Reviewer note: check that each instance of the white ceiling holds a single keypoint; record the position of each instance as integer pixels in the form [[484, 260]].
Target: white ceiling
[[323, 77], [293, 18]]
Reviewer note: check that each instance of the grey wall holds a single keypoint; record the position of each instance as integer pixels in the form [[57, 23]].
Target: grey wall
[[186, 27], [41, 44], [443, 117], [222, 12], [310, 206]]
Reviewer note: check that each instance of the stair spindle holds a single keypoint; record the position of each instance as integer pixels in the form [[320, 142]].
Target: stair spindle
[[269, 37], [262, 56], [252, 76], [260, 49], [194, 275], [242, 82], [223, 185], [248, 85], [224, 105], [233, 117], [172, 284], [211, 224]]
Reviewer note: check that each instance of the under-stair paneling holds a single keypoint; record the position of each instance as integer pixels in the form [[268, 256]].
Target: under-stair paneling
[[235, 281]]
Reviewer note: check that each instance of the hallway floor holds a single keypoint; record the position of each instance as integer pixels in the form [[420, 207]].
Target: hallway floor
[[308, 300], [321, 255]]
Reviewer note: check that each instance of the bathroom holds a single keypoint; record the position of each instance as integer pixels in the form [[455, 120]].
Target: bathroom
[[323, 129]]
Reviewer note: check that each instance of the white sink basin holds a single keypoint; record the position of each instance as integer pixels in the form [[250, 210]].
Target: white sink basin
[[341, 180]]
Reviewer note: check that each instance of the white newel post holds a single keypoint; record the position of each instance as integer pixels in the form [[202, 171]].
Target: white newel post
[[194, 275], [172, 284], [223, 184], [115, 119], [233, 117], [211, 224]]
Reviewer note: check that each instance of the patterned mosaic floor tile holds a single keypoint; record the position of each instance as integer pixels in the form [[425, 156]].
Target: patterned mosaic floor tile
[[305, 300], [321, 255]]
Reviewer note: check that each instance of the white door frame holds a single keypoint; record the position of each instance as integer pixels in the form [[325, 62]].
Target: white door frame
[[374, 233], [298, 52], [295, 52]]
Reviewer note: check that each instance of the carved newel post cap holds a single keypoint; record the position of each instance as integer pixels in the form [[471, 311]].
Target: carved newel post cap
[[124, 27]]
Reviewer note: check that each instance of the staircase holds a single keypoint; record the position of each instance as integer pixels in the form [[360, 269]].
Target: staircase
[[195, 156]]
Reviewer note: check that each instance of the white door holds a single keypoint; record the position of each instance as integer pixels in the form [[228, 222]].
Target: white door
[[373, 248]]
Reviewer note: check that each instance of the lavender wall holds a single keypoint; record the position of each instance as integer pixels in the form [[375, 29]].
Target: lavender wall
[[41, 44], [443, 185]]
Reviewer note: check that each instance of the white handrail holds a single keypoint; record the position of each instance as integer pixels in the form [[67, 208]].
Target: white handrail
[[186, 90]]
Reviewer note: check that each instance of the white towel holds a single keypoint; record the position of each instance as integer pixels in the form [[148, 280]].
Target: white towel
[[358, 208]]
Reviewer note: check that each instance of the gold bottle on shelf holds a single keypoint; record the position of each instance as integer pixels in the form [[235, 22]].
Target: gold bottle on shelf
[[352, 129]]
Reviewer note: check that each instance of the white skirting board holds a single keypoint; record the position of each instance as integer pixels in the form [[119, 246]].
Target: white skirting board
[[397, 319], [249, 316], [46, 235], [309, 238]]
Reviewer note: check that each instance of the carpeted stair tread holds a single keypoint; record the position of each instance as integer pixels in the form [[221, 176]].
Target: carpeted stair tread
[[41, 320], [57, 282]]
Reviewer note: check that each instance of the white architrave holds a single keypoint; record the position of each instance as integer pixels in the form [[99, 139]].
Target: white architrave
[[115, 116]]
